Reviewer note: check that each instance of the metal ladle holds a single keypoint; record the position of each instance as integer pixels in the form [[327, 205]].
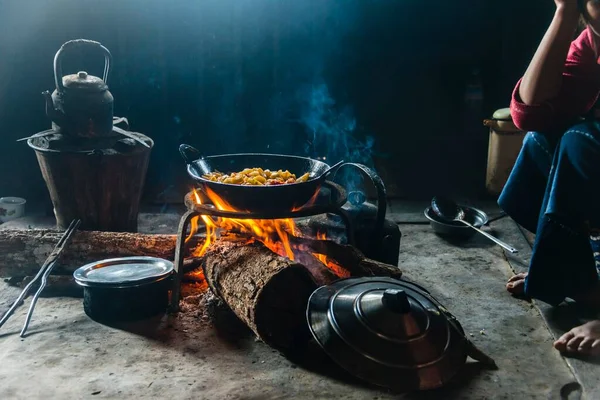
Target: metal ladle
[[449, 211]]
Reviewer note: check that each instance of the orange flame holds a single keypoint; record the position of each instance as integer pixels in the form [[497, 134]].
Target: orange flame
[[321, 257], [273, 233]]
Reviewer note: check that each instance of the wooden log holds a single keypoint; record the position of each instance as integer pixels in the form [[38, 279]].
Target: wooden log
[[317, 269], [349, 257], [266, 291], [22, 252]]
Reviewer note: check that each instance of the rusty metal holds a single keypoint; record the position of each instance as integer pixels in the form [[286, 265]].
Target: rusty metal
[[179, 258]]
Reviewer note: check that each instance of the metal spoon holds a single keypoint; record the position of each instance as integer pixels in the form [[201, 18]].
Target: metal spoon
[[450, 211]]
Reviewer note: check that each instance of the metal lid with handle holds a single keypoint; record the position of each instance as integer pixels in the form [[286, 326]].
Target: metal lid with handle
[[389, 332], [83, 81]]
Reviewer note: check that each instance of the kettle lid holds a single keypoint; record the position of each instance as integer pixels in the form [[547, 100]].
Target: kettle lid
[[389, 332], [83, 81]]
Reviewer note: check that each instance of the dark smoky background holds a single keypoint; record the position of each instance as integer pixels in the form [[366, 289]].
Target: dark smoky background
[[401, 86]]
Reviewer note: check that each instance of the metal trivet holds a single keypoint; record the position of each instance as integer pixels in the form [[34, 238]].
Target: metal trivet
[[330, 199]]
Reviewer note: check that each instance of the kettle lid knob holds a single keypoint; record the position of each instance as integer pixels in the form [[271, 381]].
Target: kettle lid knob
[[82, 74], [396, 300]]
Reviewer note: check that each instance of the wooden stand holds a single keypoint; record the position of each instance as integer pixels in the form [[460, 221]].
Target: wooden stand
[[102, 187]]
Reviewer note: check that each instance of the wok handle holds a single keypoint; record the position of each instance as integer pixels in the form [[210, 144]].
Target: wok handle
[[332, 170], [381, 200], [189, 153]]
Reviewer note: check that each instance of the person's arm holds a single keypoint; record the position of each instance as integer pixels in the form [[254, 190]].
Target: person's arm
[[543, 78], [559, 85]]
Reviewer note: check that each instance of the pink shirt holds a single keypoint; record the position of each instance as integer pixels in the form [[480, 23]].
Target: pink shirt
[[578, 94]]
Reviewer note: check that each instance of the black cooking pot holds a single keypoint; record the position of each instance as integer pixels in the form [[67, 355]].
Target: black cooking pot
[[125, 289], [258, 198]]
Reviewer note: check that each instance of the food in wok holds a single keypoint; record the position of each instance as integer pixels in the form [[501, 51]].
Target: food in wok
[[256, 177]]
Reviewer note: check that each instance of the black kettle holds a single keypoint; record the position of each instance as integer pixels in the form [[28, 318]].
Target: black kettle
[[81, 105]]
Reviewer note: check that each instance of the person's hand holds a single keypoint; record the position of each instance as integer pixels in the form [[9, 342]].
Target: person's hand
[[567, 5], [568, 10]]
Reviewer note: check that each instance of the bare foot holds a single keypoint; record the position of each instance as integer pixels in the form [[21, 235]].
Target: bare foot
[[582, 340], [516, 284]]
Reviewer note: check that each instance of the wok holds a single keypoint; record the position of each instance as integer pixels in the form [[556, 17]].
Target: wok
[[276, 198]]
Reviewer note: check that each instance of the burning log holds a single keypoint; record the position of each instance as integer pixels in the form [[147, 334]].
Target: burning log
[[349, 257], [22, 252], [266, 291]]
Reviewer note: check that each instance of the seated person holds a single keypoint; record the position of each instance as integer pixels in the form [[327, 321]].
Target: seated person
[[554, 187]]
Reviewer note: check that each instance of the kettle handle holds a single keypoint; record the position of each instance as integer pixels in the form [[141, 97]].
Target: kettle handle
[[381, 199], [71, 44]]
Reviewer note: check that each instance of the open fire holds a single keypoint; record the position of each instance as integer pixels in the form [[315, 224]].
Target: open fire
[[264, 265], [276, 234]]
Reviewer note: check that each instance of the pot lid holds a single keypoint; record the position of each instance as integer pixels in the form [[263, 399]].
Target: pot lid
[[389, 332], [83, 81], [123, 272]]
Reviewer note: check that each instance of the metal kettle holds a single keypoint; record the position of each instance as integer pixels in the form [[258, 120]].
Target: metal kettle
[[81, 105], [390, 332], [372, 235]]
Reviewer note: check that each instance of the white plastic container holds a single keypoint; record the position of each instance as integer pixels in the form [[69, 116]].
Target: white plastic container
[[11, 208]]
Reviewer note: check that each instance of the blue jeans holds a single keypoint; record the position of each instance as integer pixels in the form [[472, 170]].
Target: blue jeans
[[554, 192]]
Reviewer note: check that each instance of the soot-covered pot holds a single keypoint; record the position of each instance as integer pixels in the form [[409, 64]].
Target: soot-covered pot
[[81, 104], [390, 333], [125, 289]]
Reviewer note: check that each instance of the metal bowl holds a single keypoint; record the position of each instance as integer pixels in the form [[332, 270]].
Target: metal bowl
[[457, 229]]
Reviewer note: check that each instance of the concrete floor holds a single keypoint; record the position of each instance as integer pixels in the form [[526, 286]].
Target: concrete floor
[[68, 355]]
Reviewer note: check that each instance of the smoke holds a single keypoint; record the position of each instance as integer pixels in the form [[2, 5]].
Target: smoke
[[333, 134]]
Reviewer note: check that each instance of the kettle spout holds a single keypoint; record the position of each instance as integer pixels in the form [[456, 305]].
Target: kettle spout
[[54, 114]]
